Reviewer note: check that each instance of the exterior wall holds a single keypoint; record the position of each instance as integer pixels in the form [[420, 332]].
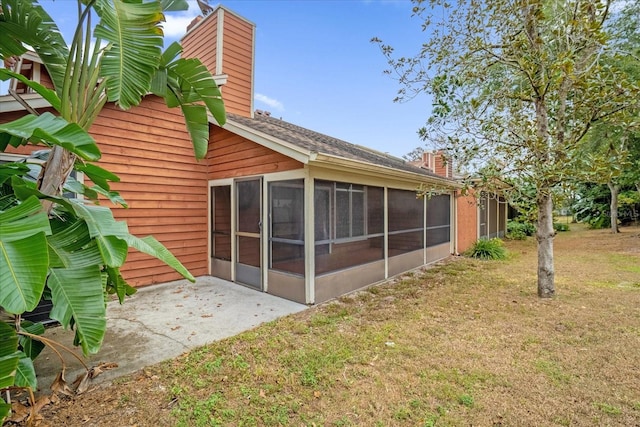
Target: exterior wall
[[442, 167], [235, 56], [232, 156], [237, 62], [343, 281], [438, 252], [401, 263], [467, 221], [201, 43], [165, 187], [286, 286]]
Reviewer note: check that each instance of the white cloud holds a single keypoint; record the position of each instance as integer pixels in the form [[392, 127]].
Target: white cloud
[[273, 103], [176, 22]]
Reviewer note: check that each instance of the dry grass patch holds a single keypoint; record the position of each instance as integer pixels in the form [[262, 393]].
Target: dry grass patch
[[464, 343]]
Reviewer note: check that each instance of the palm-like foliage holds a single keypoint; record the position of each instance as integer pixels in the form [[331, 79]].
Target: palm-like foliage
[[54, 245]]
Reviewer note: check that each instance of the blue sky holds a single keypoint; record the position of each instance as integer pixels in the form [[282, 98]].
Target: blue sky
[[316, 67]]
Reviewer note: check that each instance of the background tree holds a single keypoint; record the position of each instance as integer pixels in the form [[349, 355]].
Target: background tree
[[60, 248], [609, 155], [516, 86]]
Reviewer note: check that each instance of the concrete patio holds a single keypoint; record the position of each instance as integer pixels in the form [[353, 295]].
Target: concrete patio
[[161, 322]]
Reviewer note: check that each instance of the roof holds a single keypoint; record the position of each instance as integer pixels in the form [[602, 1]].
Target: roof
[[317, 143]]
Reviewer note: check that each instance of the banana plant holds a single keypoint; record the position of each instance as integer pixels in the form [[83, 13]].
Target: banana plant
[[59, 248]]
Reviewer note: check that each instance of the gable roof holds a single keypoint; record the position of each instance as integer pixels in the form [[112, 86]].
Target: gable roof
[[309, 146]]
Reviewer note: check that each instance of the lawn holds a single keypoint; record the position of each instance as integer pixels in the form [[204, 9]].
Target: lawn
[[463, 343]]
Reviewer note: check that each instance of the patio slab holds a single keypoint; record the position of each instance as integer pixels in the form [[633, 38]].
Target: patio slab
[[162, 321]]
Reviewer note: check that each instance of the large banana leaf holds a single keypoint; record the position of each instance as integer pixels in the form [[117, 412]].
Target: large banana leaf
[[187, 83], [26, 373], [149, 245], [71, 245], [9, 356], [134, 32], [23, 256], [50, 130], [198, 126], [174, 5], [26, 22], [101, 223], [78, 301]]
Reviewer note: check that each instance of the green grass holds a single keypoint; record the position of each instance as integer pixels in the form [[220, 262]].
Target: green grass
[[472, 345]]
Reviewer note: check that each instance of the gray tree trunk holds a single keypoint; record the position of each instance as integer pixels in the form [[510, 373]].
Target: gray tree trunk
[[54, 174], [614, 189], [544, 236]]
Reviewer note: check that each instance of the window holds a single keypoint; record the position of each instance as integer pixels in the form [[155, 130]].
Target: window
[[406, 222], [350, 210], [438, 220], [349, 225]]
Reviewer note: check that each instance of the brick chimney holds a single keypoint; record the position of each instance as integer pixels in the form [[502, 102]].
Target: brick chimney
[[443, 166], [224, 42], [429, 161]]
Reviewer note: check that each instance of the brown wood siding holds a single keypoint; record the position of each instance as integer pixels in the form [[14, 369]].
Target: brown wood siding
[[237, 57], [232, 156], [237, 62], [201, 43], [165, 187]]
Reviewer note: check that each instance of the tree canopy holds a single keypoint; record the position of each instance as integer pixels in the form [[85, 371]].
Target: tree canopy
[[515, 87]]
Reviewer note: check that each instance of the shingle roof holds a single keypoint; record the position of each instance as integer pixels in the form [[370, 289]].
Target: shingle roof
[[324, 144]]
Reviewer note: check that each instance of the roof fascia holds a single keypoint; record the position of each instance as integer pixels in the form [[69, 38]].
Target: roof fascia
[[268, 141], [8, 103], [341, 163]]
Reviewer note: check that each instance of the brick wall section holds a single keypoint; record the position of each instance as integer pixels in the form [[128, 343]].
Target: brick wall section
[[443, 167], [467, 215]]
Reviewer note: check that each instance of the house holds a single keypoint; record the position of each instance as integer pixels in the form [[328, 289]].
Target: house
[[273, 206], [480, 215]]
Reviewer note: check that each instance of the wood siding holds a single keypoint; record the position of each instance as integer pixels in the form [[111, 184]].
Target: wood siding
[[201, 43], [237, 62], [232, 156], [165, 187], [237, 56]]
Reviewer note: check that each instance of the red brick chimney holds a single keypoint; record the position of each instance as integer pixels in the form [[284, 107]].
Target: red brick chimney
[[443, 165], [224, 42]]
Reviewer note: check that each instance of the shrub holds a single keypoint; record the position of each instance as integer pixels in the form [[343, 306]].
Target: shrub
[[487, 249], [519, 230], [560, 226]]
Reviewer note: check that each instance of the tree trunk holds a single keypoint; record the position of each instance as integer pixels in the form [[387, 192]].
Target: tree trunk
[[544, 236], [614, 189], [54, 174]]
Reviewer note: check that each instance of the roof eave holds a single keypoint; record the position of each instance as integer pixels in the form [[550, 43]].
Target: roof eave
[[342, 163], [8, 103]]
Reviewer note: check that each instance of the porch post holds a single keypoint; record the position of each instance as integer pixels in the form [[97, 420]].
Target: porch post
[[309, 240]]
